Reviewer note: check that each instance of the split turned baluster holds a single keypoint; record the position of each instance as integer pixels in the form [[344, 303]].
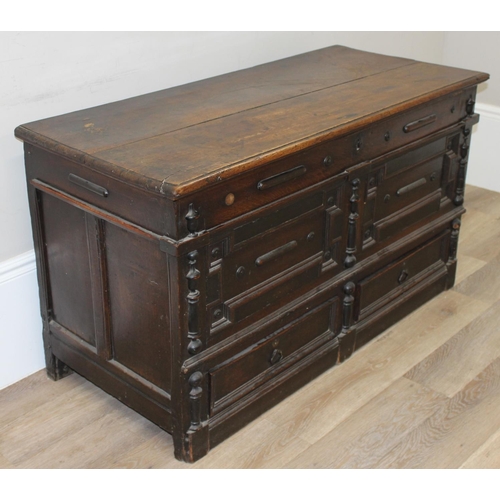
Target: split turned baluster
[[350, 259], [347, 335]]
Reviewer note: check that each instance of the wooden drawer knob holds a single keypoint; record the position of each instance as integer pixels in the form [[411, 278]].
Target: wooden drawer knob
[[229, 200]]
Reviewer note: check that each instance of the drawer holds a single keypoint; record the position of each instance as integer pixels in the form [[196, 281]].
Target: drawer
[[407, 198], [110, 195], [413, 182], [274, 256], [408, 188], [272, 253], [227, 199], [256, 365], [383, 286], [250, 192]]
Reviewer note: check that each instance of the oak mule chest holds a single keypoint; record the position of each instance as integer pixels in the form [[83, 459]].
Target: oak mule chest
[[206, 250]]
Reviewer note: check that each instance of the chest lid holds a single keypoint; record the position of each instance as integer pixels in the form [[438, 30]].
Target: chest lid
[[179, 140]]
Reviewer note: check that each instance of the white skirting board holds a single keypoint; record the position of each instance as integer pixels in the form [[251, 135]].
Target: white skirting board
[[483, 168], [21, 350]]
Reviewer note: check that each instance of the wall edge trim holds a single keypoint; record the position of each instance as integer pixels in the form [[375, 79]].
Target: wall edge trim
[[17, 266]]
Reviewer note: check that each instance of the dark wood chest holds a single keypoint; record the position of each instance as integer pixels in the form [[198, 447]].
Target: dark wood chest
[[206, 250]]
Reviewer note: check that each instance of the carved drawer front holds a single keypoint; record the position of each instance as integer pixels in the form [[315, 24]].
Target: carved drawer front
[[386, 285], [409, 188], [271, 259], [410, 178], [253, 367], [273, 253]]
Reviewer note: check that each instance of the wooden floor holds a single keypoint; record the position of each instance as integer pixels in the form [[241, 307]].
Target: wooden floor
[[425, 394]]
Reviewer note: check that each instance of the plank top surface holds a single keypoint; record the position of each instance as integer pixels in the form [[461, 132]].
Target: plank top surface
[[178, 139]]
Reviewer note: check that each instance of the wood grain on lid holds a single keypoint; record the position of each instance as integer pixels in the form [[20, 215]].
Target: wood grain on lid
[[178, 140]]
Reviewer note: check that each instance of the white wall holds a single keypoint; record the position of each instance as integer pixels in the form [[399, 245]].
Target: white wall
[[45, 74], [21, 348], [480, 50]]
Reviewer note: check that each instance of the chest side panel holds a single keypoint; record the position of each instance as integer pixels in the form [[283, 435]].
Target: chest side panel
[[107, 282]]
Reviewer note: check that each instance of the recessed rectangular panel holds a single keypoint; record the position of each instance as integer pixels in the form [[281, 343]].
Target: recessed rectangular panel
[[277, 217], [404, 219], [67, 253], [416, 156], [139, 302], [272, 296], [335, 225]]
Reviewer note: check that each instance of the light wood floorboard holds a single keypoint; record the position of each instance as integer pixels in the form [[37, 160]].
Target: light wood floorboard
[[13, 400], [456, 430], [486, 456], [424, 394], [4, 463], [397, 410], [467, 266], [455, 363]]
